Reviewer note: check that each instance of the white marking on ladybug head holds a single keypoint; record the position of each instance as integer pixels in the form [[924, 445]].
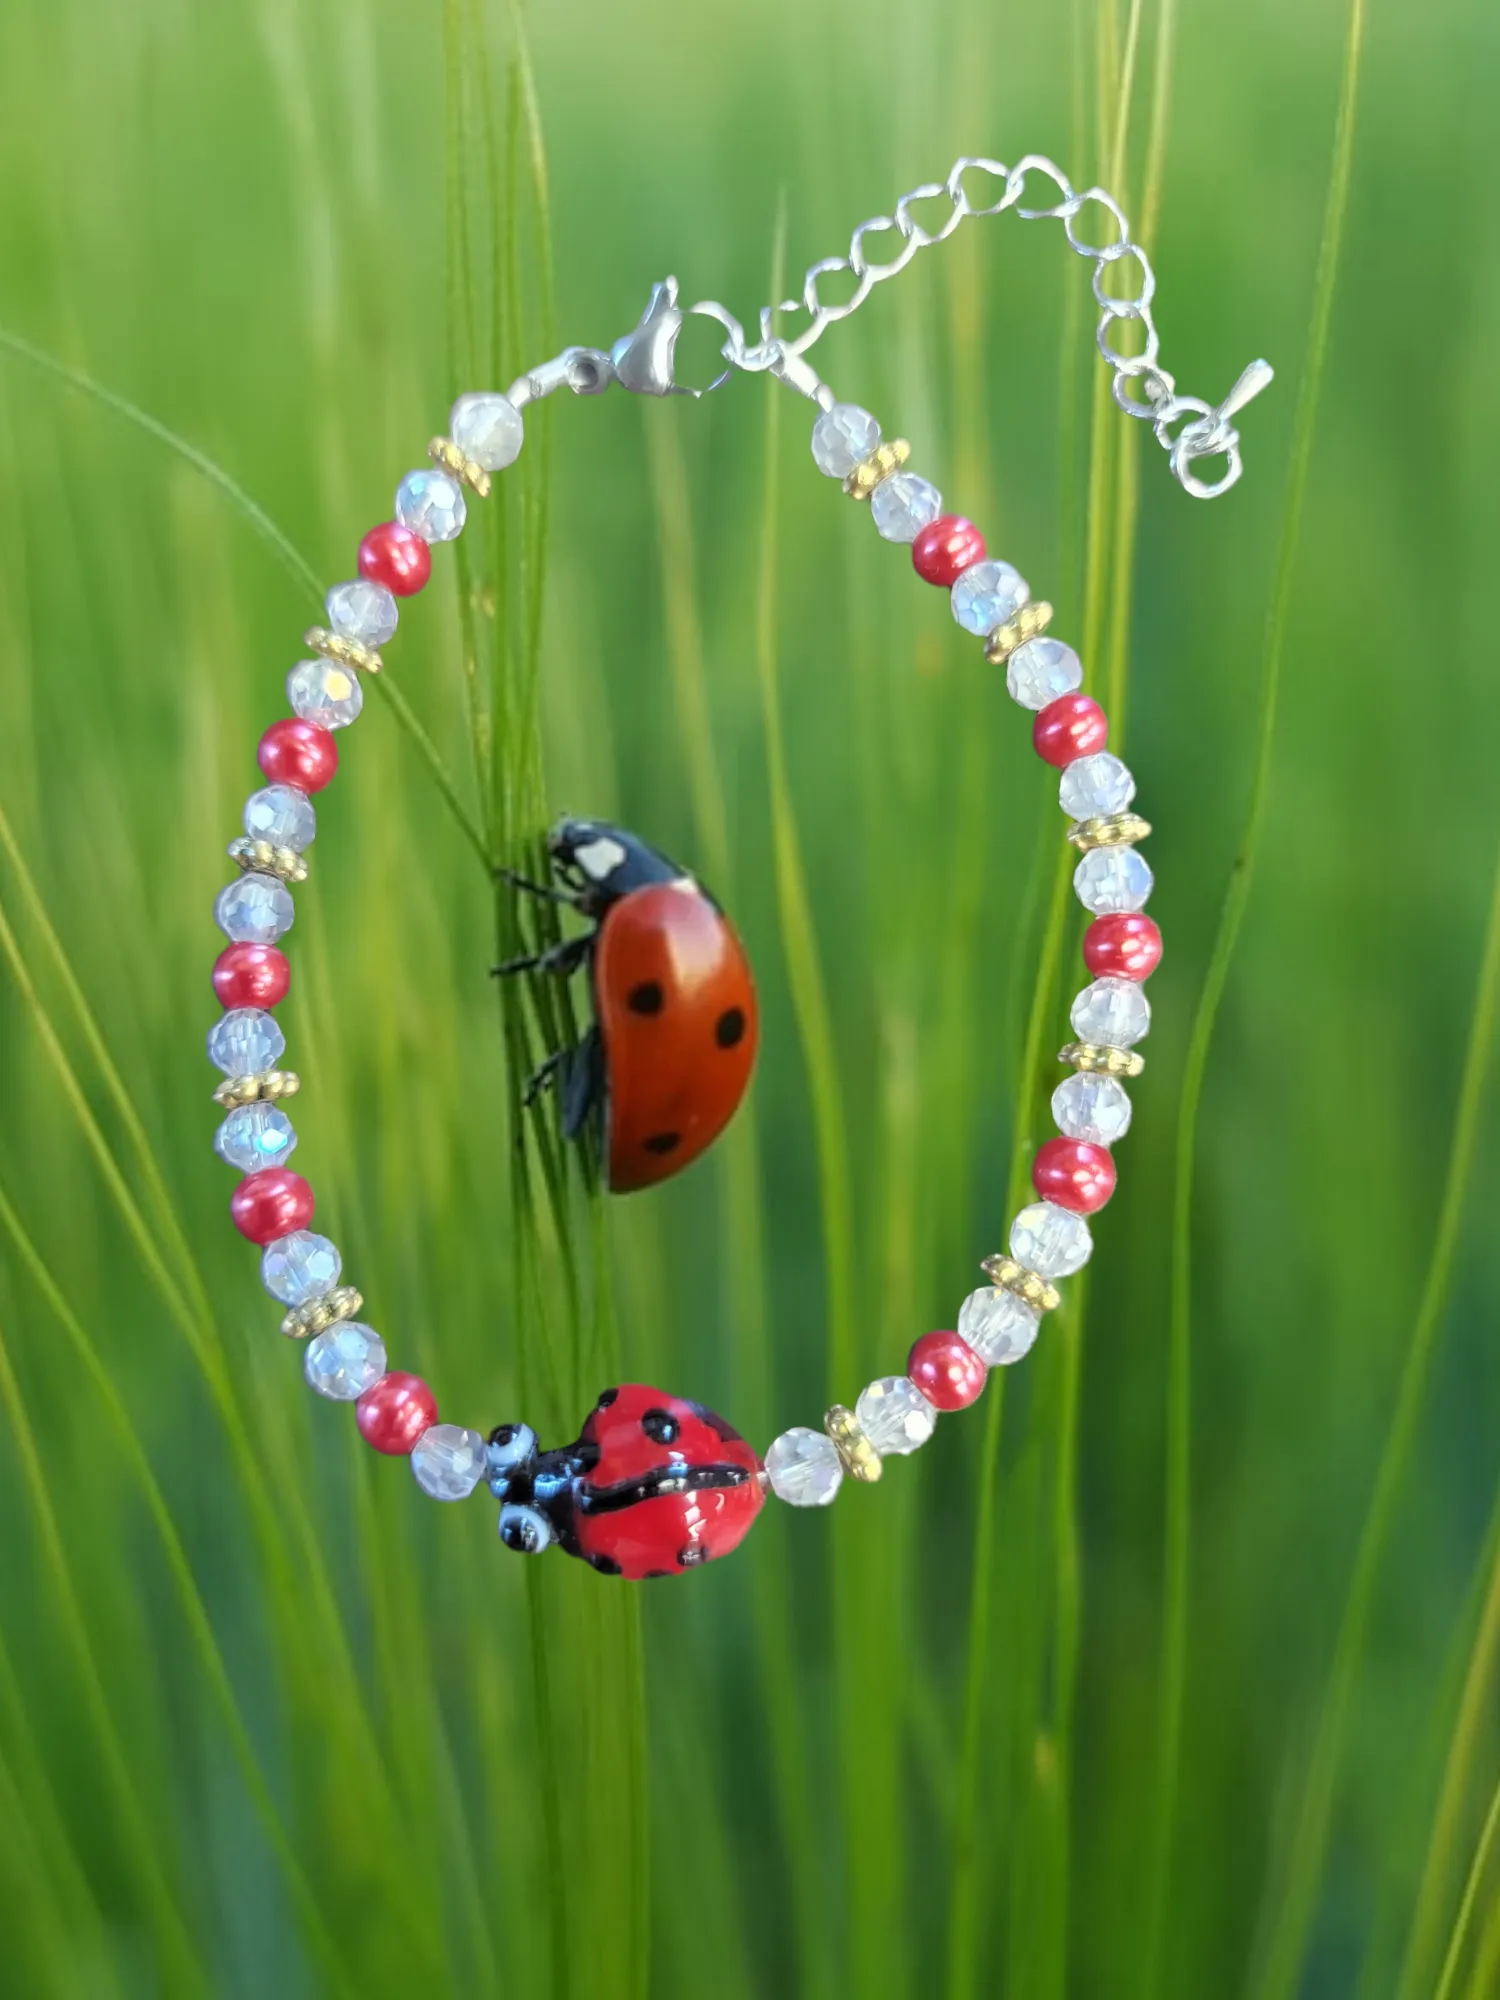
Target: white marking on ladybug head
[[599, 858]]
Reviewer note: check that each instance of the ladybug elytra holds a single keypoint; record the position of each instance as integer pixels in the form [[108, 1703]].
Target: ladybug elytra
[[664, 1065], [654, 1485]]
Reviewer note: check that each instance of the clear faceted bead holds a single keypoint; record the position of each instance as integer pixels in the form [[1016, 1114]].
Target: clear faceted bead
[[344, 1361], [1093, 1108], [1050, 1240], [257, 909], [804, 1467], [324, 692], [255, 1136], [431, 503], [1113, 1012], [361, 610], [245, 1041], [487, 427], [842, 438], [1092, 786], [1113, 878], [282, 815], [988, 595], [997, 1325], [447, 1461], [894, 1415], [902, 506], [300, 1267], [1041, 670]]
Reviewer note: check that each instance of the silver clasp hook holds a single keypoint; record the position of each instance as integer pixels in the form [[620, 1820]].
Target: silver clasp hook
[[1214, 434], [645, 359]]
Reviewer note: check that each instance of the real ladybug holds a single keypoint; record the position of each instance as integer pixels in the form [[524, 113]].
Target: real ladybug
[[654, 1485], [664, 1064]]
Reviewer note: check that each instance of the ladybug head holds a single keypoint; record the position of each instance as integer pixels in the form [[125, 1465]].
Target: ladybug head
[[601, 862]]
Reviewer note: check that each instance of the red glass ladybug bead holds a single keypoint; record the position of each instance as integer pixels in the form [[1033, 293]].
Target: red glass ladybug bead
[[663, 1068], [655, 1485]]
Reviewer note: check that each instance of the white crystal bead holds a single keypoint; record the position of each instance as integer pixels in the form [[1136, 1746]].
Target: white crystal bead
[[361, 610], [902, 505], [804, 1468], [257, 909], [1041, 670], [988, 595], [1091, 786], [324, 692], [300, 1267], [997, 1325], [487, 427], [245, 1041], [895, 1416], [255, 1136], [1114, 1012], [1113, 878], [447, 1461], [431, 503], [282, 815], [344, 1361], [1095, 1108], [1050, 1240], [842, 438]]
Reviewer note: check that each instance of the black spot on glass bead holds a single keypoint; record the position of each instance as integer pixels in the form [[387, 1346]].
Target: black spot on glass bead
[[606, 1565], [660, 1426], [663, 1142], [729, 1029], [606, 1397], [647, 998], [691, 1556]]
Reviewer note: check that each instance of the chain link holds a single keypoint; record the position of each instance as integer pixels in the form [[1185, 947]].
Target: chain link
[[1187, 428]]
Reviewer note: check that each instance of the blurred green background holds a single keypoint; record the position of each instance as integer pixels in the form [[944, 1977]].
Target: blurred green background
[[1171, 1670]]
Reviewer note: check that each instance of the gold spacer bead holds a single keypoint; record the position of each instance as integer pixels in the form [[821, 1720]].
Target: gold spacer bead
[[263, 1088], [343, 1302], [1029, 1286], [1030, 622], [259, 857], [1101, 1061], [861, 1459], [348, 652], [882, 462], [444, 452], [1109, 830]]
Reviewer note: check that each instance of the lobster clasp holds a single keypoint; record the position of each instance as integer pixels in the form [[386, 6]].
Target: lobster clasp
[[644, 359]]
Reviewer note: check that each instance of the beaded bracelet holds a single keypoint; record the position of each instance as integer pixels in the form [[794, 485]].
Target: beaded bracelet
[[655, 1484]]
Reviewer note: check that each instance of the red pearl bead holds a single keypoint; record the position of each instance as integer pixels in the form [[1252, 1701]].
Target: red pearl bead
[[1122, 945], [271, 1203], [394, 556], [947, 1370], [393, 1412], [945, 548], [294, 752], [1074, 1174], [251, 975], [1072, 726]]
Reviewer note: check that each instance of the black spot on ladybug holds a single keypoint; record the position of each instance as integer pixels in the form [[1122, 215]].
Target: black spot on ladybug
[[663, 1142], [606, 1397], [606, 1565], [691, 1556], [660, 1427], [647, 998], [729, 1029]]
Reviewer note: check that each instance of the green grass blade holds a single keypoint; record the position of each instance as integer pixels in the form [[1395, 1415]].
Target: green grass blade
[[1465, 1916]]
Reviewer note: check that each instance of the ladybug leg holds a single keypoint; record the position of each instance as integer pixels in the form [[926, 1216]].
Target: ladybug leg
[[564, 958], [544, 1076], [542, 889], [582, 1083]]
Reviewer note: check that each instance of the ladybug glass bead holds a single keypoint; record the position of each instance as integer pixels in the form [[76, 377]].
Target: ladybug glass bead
[[654, 1485], [664, 1065]]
